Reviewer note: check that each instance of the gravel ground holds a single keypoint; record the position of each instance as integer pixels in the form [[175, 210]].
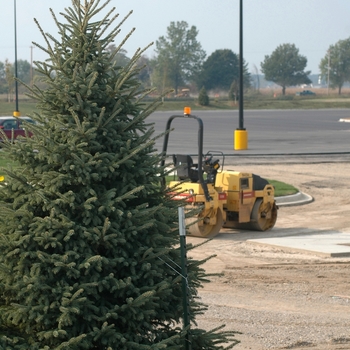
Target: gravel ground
[[279, 298]]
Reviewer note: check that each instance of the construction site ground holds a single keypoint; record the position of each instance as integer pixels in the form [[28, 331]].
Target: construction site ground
[[285, 289]]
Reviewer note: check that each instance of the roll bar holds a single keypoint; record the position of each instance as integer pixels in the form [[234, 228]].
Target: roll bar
[[200, 147]]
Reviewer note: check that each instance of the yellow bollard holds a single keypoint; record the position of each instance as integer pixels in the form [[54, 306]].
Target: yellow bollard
[[240, 139]]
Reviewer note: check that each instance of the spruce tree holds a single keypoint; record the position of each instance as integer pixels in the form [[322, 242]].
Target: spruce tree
[[203, 98], [89, 250]]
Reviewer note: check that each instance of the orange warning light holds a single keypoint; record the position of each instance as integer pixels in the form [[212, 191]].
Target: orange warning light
[[187, 110]]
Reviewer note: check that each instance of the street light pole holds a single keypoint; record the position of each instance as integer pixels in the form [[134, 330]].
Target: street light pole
[[16, 113], [241, 134], [241, 121]]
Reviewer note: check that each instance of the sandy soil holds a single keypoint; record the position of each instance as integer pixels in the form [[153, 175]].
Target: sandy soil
[[277, 298]]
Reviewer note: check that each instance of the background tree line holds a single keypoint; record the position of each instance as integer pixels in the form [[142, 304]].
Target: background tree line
[[7, 74], [180, 63]]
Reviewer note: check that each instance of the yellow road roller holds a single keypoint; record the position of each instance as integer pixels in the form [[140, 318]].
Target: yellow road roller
[[221, 198]]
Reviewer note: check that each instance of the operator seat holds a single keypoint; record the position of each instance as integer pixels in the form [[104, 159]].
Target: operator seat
[[185, 167]]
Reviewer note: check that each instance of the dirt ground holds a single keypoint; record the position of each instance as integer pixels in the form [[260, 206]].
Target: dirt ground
[[279, 298]]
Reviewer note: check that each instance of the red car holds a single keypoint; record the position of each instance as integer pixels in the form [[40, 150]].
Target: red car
[[13, 126]]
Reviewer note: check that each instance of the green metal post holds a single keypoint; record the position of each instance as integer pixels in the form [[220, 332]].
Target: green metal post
[[185, 299]]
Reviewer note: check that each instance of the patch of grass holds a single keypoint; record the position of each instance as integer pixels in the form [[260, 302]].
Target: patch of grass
[[283, 189], [169, 178], [25, 107], [4, 163], [265, 99], [250, 103]]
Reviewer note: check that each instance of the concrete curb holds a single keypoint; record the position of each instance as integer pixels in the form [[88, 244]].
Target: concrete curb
[[299, 198]]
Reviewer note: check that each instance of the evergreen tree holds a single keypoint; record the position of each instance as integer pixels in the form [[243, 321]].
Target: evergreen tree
[[203, 98], [88, 237], [219, 70], [233, 93]]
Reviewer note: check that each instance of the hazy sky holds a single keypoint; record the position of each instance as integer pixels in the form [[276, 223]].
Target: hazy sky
[[312, 25]]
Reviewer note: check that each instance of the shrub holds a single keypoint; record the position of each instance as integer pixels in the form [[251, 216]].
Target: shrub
[[203, 98]]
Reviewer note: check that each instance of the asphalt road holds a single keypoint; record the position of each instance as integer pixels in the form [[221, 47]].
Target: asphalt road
[[269, 131]]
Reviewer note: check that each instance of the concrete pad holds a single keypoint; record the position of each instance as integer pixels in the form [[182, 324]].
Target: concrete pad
[[331, 243]]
